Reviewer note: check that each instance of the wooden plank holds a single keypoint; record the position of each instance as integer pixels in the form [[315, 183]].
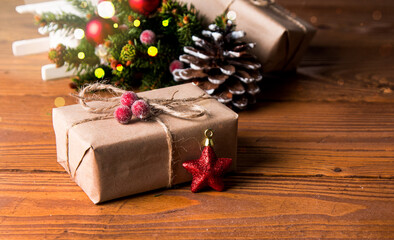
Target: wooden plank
[[278, 138], [45, 205], [347, 23], [325, 80], [333, 139]]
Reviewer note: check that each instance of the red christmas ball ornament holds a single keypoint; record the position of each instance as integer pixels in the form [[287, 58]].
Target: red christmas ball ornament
[[140, 109], [123, 114], [144, 7], [148, 37], [208, 169], [128, 98], [98, 29]]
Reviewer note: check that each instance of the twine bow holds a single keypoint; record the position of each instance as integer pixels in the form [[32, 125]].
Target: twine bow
[[158, 105], [185, 108]]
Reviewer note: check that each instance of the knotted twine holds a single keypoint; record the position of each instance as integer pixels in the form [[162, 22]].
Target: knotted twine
[[185, 108]]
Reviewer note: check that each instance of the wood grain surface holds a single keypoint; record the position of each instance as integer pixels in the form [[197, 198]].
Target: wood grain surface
[[316, 154]]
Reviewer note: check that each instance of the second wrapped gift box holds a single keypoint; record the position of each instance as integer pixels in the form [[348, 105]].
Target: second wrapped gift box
[[281, 39]]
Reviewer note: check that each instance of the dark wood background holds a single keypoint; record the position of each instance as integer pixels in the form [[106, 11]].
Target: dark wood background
[[316, 154]]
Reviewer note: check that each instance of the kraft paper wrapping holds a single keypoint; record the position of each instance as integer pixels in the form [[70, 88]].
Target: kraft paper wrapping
[[281, 38], [111, 160]]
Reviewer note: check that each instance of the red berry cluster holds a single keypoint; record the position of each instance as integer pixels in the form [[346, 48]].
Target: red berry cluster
[[131, 105], [148, 37]]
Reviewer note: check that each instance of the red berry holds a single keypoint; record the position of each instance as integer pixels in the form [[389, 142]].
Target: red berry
[[123, 114], [176, 64], [148, 37], [140, 109], [128, 98]]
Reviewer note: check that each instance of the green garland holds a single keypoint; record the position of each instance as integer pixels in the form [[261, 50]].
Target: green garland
[[127, 63]]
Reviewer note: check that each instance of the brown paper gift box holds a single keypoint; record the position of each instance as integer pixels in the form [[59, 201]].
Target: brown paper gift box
[[110, 160], [281, 38]]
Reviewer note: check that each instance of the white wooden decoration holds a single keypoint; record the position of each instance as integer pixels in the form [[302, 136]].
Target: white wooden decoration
[[40, 45]]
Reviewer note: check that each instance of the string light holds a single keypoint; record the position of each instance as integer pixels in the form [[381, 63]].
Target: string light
[[84, 4], [152, 51], [60, 102], [116, 25], [79, 33], [81, 55], [231, 15], [137, 23], [106, 9], [99, 73], [165, 22], [119, 67]]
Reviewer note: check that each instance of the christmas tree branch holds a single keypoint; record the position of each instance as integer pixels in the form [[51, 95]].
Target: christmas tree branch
[[66, 21]]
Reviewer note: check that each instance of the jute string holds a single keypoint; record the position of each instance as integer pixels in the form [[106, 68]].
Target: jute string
[[185, 108]]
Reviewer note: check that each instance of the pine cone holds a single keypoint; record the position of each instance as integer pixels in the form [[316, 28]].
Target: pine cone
[[56, 55], [221, 65]]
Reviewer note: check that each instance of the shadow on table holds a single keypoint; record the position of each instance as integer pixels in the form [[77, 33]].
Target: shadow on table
[[280, 87], [254, 156]]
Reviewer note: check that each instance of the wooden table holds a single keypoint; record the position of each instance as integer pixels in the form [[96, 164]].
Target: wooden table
[[316, 155]]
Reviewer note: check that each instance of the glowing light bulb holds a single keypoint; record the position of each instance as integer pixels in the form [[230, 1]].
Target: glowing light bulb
[[60, 102], [79, 33], [106, 9], [99, 73], [119, 67], [165, 22], [84, 4], [231, 15], [81, 55], [152, 51], [137, 23], [116, 25]]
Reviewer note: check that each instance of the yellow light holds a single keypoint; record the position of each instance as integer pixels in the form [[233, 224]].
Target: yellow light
[[119, 67], [152, 51], [81, 55], [60, 102], [106, 9], [99, 73], [84, 4], [79, 33], [231, 15], [165, 22], [116, 25], [137, 23]]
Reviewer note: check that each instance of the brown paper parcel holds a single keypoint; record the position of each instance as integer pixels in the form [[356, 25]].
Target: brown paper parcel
[[110, 160], [281, 38]]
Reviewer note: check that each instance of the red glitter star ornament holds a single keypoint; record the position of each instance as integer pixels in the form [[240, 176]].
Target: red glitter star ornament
[[208, 169]]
